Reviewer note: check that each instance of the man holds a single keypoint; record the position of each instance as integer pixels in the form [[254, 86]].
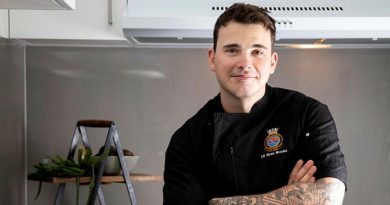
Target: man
[[245, 146]]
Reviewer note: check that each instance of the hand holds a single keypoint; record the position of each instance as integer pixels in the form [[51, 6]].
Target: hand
[[303, 172], [215, 201]]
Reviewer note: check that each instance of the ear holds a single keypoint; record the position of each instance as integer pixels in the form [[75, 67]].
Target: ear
[[274, 61], [211, 56]]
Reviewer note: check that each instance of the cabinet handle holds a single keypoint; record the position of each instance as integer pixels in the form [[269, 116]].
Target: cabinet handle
[[110, 12]]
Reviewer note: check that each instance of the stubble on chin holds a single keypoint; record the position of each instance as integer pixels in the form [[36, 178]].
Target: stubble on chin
[[241, 91]]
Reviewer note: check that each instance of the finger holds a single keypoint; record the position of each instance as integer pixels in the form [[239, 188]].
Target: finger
[[309, 174], [293, 173], [297, 167], [312, 180], [305, 168]]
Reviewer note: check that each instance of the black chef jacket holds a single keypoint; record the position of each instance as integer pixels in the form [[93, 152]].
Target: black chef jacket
[[217, 154]]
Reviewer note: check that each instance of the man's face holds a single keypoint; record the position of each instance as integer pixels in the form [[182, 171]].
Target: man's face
[[243, 60]]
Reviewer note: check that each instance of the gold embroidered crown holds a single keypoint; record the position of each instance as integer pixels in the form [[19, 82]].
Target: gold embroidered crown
[[272, 131]]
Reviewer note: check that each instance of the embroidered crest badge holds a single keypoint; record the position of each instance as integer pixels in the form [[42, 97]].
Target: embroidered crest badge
[[274, 141]]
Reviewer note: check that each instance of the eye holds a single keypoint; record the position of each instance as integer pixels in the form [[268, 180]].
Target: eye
[[257, 52], [231, 51]]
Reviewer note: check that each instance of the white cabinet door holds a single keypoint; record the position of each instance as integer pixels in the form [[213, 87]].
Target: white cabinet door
[[89, 21], [4, 23]]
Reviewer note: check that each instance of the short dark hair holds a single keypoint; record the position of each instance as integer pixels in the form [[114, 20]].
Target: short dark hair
[[246, 14]]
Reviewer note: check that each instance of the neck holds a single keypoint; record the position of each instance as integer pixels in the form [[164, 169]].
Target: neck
[[233, 104]]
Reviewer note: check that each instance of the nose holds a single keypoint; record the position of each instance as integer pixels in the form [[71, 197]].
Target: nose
[[245, 61]]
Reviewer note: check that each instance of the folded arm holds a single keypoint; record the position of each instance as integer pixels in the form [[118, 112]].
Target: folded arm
[[324, 191]]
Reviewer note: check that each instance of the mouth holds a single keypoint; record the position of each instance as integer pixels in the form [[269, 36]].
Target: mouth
[[243, 77]]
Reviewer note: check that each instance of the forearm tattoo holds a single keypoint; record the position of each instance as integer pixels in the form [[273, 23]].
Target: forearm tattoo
[[319, 193]]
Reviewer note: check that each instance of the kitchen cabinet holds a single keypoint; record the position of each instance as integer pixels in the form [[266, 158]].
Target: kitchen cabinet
[[37, 4], [4, 23], [91, 20]]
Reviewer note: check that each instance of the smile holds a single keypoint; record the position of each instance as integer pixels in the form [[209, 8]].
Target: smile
[[243, 77]]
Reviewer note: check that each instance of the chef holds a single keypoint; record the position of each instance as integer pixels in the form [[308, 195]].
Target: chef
[[253, 143]]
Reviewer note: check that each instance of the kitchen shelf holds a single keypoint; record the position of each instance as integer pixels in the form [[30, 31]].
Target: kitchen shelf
[[104, 179], [96, 192]]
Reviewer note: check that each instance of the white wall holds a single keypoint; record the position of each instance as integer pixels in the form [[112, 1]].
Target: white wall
[[151, 92], [12, 124]]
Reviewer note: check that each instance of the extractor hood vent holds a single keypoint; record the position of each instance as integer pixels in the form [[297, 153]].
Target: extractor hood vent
[[177, 23], [289, 8]]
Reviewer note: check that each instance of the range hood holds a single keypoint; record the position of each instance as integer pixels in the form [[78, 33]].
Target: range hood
[[38, 4], [300, 23]]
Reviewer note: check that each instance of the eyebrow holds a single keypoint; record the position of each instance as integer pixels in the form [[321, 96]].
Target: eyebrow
[[259, 46], [235, 45]]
